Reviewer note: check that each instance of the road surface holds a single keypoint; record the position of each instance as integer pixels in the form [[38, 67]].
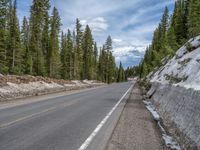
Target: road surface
[[63, 123]]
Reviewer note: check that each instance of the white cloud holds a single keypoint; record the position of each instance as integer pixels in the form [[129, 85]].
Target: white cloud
[[117, 40], [128, 50], [98, 24]]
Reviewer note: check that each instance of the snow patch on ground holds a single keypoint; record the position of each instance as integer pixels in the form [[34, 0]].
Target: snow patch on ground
[[183, 69], [15, 88], [12, 89], [152, 109], [170, 142]]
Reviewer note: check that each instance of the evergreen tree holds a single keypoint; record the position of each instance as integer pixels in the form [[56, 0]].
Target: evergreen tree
[[14, 46], [26, 61], [171, 40], [95, 61], [78, 53], [74, 56], [87, 46], [100, 66], [178, 22], [46, 42], [66, 56], [109, 60], [3, 13], [69, 54], [63, 56], [194, 18], [39, 10], [121, 74], [54, 56], [164, 26]]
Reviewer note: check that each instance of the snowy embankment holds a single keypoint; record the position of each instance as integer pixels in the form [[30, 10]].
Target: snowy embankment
[[170, 142], [175, 92], [12, 87], [184, 68]]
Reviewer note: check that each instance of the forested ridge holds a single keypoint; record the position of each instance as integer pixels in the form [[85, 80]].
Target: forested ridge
[[172, 32], [40, 48]]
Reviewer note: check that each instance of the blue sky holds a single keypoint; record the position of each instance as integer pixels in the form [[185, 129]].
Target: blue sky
[[129, 22]]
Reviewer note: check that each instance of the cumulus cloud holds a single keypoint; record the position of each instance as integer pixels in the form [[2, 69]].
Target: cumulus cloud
[[128, 56], [98, 24], [117, 40]]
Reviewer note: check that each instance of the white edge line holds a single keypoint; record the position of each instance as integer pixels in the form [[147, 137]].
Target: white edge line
[[98, 128]]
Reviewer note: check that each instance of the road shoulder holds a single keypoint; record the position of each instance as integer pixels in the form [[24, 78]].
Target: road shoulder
[[136, 128]]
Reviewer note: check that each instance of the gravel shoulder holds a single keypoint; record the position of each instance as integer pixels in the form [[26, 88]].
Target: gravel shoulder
[[136, 129]]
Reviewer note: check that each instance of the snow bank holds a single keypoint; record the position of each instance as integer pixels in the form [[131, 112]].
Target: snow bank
[[169, 140], [19, 86], [183, 69], [152, 110], [14, 88]]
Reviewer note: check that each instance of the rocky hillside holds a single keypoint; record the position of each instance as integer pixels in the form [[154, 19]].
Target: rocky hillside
[[175, 92], [184, 68]]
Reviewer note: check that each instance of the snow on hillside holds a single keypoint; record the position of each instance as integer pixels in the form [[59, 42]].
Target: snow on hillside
[[183, 69]]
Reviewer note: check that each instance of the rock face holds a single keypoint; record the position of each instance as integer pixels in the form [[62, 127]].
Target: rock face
[[183, 69], [179, 109], [175, 92]]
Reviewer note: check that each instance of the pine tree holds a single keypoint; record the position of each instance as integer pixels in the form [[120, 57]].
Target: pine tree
[[63, 56], [112, 69], [121, 74], [3, 13], [164, 26], [39, 9], [67, 56], [46, 42], [54, 56], [109, 60], [194, 18], [100, 66], [144, 69], [26, 61], [87, 47], [178, 22], [78, 53], [14, 46], [95, 61], [74, 56], [171, 40]]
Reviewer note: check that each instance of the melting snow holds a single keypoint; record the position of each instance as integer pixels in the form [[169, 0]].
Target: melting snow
[[152, 109], [13, 88], [184, 67], [170, 142]]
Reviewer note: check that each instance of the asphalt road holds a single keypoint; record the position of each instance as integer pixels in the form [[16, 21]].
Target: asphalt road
[[62, 123]]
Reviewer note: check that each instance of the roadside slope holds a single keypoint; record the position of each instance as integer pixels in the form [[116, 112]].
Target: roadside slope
[[175, 92]]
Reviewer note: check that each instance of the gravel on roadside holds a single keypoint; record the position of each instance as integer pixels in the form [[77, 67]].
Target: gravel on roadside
[[136, 129]]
